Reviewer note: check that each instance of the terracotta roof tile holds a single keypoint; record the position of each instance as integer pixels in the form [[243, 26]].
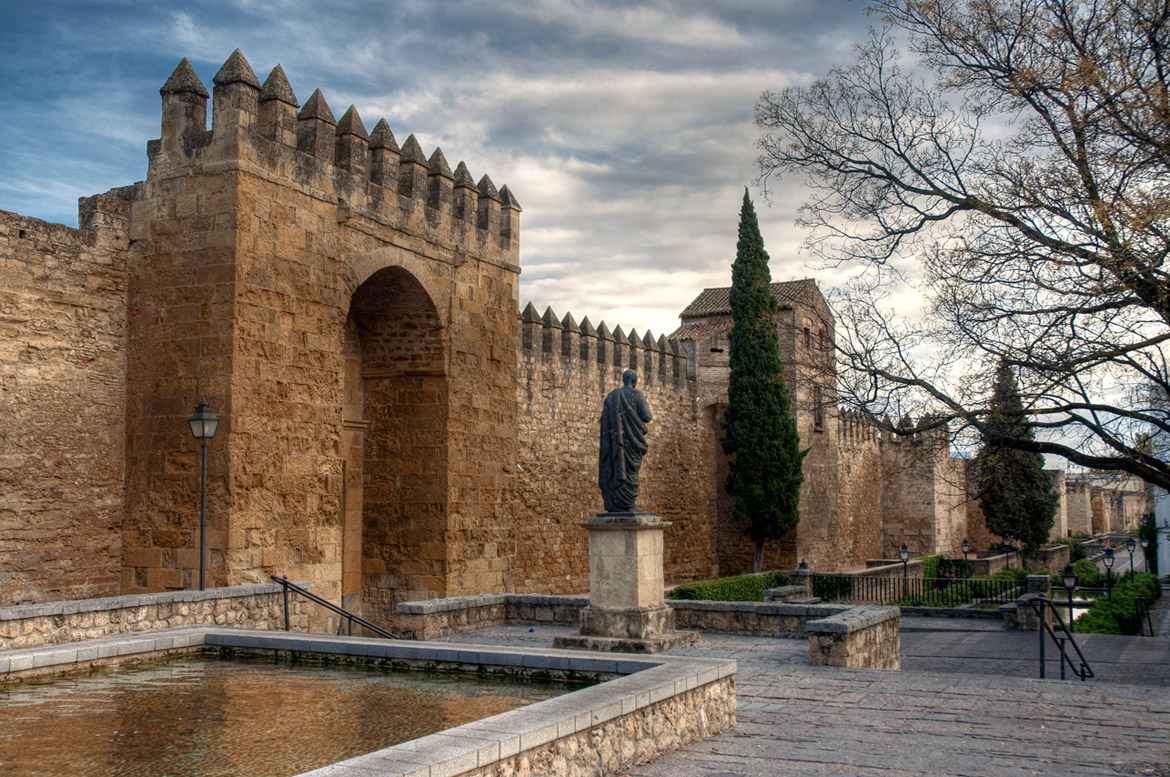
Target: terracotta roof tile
[[717, 302]]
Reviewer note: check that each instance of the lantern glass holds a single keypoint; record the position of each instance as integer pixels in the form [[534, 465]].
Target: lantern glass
[[1068, 576], [204, 422], [1130, 544], [904, 553], [1108, 559], [966, 546]]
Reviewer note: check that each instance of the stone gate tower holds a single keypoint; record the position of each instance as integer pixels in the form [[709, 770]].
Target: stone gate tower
[[348, 307]]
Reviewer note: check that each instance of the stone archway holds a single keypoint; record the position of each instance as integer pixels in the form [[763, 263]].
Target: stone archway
[[395, 445]]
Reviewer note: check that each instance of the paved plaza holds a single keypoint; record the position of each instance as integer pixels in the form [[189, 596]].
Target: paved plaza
[[966, 703]]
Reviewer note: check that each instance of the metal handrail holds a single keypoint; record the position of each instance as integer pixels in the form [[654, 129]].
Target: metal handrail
[[1143, 608], [1084, 671], [352, 619]]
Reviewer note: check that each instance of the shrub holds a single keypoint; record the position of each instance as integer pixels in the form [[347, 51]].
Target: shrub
[[738, 588], [1076, 549], [1118, 614], [930, 565], [1011, 573], [1088, 575]]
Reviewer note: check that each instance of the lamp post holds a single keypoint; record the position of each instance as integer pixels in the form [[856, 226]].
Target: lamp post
[[1145, 553], [1108, 562], [1068, 576], [966, 549], [904, 554], [203, 424], [1130, 545]]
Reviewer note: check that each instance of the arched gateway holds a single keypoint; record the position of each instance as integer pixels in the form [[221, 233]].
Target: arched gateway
[[339, 300]]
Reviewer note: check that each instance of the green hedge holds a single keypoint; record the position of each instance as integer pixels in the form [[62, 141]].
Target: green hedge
[[739, 588], [1089, 575], [1118, 614]]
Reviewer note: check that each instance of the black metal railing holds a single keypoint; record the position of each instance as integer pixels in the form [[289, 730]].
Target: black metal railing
[[915, 591], [1040, 605], [347, 617], [1145, 624]]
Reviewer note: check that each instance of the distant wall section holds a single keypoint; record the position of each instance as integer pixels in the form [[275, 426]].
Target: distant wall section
[[565, 370]]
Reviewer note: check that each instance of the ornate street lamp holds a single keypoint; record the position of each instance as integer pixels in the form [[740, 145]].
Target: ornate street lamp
[[1068, 576], [1130, 545], [966, 549], [1145, 541], [904, 554], [203, 424], [1107, 560], [1007, 547]]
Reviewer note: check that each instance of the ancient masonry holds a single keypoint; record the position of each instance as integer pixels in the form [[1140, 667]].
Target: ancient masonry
[[394, 427]]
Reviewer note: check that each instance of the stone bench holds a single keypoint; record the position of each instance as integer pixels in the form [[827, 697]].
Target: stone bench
[[857, 637]]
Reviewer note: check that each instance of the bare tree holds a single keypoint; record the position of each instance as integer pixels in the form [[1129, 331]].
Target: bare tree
[[1016, 174]]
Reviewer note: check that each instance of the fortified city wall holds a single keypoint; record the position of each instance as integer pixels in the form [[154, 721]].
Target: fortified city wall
[[565, 371], [63, 402]]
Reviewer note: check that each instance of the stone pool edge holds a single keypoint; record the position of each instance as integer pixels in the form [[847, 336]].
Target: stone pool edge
[[655, 704]]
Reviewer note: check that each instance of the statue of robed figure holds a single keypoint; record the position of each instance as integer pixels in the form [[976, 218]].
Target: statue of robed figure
[[624, 416]]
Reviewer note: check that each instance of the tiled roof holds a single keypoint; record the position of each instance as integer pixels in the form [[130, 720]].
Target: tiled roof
[[717, 302], [699, 330]]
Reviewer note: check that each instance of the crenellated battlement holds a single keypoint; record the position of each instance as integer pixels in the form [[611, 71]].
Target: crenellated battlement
[[257, 128], [855, 426], [549, 338]]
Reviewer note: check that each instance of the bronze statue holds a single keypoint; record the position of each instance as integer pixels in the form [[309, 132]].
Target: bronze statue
[[624, 416]]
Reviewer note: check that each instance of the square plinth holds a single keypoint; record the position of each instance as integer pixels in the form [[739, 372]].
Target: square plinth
[[625, 561]]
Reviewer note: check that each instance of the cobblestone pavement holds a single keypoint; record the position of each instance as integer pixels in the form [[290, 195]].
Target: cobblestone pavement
[[952, 710]]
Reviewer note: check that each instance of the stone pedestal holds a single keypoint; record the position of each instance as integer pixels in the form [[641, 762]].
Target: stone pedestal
[[626, 611]]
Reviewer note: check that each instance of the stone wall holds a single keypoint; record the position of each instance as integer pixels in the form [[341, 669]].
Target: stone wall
[[860, 637], [859, 494], [922, 491], [250, 606], [63, 403], [565, 371]]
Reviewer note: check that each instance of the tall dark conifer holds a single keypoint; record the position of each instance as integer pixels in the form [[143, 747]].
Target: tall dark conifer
[[1014, 491], [761, 441]]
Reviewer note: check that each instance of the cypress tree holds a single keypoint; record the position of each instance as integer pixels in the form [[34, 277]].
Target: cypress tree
[[1014, 491], [760, 437]]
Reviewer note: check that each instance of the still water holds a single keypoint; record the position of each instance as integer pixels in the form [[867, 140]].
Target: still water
[[206, 717]]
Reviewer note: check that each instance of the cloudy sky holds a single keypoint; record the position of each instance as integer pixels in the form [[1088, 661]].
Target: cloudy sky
[[624, 128]]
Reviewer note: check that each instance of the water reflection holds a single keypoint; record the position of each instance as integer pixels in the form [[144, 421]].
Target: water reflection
[[213, 718]]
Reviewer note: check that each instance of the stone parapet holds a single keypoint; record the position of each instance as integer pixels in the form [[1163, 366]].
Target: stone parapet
[[752, 618], [861, 637], [52, 623]]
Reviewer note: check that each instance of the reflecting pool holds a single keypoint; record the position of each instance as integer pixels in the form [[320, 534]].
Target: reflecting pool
[[205, 717]]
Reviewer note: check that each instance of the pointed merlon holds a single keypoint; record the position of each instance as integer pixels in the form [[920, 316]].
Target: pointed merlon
[[463, 179], [603, 331], [412, 152], [487, 189], [587, 328], [317, 108], [351, 124], [675, 347], [633, 338], [184, 81], [382, 137], [619, 335], [648, 341], [236, 71], [530, 316], [508, 200], [438, 164], [661, 345], [276, 88], [568, 324], [550, 318]]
